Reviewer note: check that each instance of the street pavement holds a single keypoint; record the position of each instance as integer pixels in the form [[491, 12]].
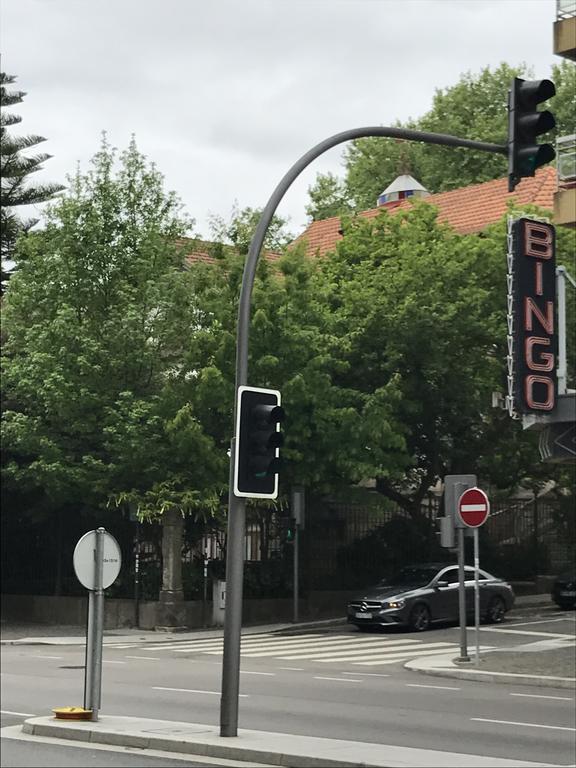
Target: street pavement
[[546, 660]]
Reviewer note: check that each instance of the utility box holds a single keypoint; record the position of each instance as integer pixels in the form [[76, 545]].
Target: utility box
[[218, 602], [454, 487]]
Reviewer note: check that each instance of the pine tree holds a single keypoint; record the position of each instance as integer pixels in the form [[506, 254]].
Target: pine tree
[[16, 169]]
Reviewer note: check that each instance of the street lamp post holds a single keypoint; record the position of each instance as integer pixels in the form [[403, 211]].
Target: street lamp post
[[236, 505]]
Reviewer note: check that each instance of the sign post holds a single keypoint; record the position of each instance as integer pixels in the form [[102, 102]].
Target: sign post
[[97, 561], [473, 511]]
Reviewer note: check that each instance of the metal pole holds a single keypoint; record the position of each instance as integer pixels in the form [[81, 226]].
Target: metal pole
[[296, 538], [137, 577], [205, 589], [462, 596], [89, 655], [98, 625], [477, 595], [233, 613], [236, 506]]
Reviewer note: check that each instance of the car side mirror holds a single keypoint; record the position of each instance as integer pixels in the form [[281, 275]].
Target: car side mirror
[[441, 583]]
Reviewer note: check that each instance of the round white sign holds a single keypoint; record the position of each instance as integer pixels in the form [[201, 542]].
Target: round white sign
[[85, 560]]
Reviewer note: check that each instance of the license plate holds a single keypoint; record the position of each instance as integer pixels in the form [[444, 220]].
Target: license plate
[[564, 593], [363, 615]]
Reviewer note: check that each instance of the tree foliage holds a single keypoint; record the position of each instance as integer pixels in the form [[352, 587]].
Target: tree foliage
[[17, 188], [104, 358]]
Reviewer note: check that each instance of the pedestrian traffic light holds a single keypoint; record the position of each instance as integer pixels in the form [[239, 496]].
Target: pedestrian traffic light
[[525, 124], [258, 439]]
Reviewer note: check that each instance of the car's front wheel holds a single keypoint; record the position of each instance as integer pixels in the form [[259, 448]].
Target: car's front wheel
[[496, 611], [419, 619]]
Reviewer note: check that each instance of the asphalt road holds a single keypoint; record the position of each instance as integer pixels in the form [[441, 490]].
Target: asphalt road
[[358, 689]]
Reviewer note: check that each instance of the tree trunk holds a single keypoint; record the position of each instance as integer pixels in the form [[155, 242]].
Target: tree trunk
[[171, 612]]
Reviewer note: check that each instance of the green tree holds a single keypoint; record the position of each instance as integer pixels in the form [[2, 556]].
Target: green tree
[[328, 197], [239, 228], [99, 320], [418, 329], [17, 189]]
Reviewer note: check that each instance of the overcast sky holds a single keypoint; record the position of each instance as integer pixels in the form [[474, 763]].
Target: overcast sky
[[225, 95]]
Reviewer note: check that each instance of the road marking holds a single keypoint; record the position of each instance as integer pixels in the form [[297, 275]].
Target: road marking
[[148, 658], [247, 672], [541, 621], [293, 669], [538, 696], [392, 659], [328, 649], [393, 653], [107, 661], [527, 725], [436, 687], [366, 674], [527, 632], [215, 641], [19, 714], [43, 656], [339, 679], [193, 690], [118, 645]]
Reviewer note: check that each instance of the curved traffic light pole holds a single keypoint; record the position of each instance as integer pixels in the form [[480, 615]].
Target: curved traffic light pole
[[236, 505]]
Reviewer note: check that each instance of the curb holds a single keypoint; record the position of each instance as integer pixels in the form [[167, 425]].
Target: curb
[[257, 747]]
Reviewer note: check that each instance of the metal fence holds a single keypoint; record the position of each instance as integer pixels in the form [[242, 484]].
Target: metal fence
[[343, 546]]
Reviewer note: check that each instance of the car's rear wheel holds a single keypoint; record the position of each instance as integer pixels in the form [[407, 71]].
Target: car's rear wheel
[[496, 611], [419, 619]]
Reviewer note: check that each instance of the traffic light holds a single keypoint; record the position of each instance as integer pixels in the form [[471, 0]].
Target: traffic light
[[525, 124], [258, 439]]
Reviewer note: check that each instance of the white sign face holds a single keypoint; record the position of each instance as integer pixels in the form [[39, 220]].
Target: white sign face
[[85, 560]]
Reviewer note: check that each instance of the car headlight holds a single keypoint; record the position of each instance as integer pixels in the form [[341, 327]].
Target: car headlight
[[395, 604]]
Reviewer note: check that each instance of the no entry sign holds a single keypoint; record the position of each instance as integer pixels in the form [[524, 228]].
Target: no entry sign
[[473, 507]]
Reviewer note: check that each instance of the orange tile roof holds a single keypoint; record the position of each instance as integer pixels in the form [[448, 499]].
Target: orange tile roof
[[467, 210], [201, 250]]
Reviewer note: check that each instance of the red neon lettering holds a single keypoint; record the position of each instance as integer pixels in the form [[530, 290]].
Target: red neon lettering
[[532, 309], [547, 358], [538, 276], [529, 383], [538, 240]]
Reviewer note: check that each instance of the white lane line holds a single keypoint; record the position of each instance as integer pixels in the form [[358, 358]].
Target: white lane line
[[527, 725], [404, 651], [193, 690], [18, 714], [247, 672], [527, 632], [107, 661], [216, 641], [392, 659], [246, 647], [366, 674], [293, 669], [540, 621], [148, 658], [327, 649], [436, 687], [539, 696], [118, 647], [43, 656], [339, 679]]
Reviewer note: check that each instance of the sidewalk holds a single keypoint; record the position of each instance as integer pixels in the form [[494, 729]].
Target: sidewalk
[[256, 747]]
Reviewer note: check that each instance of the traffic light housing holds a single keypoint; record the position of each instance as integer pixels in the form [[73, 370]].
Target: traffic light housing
[[525, 124], [258, 439]]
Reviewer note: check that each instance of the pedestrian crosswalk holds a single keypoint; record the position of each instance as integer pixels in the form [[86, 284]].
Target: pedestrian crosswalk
[[367, 651]]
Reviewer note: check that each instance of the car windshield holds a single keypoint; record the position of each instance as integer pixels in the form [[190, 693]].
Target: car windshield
[[414, 577]]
